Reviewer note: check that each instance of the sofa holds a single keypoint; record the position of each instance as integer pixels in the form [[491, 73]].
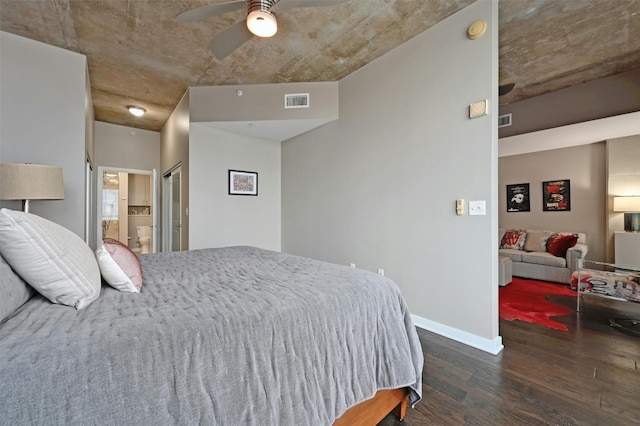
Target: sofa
[[541, 254]]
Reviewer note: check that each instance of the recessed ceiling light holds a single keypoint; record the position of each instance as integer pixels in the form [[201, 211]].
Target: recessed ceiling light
[[136, 110]]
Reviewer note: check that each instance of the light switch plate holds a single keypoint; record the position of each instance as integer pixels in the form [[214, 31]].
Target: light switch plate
[[477, 208]]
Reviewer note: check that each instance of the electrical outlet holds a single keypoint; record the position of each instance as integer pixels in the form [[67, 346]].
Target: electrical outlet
[[381, 271], [352, 265]]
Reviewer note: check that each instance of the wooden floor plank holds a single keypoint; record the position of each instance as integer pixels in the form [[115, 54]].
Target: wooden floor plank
[[588, 375]]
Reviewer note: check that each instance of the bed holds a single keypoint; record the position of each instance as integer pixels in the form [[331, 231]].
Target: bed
[[236, 335]]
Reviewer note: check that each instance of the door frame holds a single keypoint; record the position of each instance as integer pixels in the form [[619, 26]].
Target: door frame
[[154, 197], [167, 200]]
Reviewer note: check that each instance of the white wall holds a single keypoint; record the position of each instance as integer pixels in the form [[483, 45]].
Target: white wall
[[218, 219], [378, 186], [44, 120], [618, 126]]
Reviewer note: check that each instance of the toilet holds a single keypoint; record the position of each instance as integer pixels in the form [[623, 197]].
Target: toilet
[[144, 238]]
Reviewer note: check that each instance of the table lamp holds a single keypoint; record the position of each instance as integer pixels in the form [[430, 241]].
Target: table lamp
[[26, 182], [630, 206]]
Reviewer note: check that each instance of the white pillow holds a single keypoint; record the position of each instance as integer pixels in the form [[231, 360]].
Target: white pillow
[[52, 259], [119, 266]]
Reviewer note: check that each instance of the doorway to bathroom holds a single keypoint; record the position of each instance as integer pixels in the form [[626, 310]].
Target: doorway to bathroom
[[126, 208]]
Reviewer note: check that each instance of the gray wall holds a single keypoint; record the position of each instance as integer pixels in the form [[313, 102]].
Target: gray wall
[[585, 167], [218, 219], [604, 97], [126, 147], [46, 120], [378, 186], [174, 151]]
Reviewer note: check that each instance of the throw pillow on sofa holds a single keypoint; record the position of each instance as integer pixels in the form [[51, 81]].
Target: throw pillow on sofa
[[558, 244], [536, 240], [513, 239]]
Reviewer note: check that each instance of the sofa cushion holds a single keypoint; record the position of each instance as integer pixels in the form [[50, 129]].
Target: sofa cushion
[[536, 240], [558, 243], [501, 232], [544, 258], [513, 254], [513, 239]]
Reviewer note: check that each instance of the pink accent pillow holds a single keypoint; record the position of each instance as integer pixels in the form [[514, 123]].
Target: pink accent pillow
[[119, 266], [558, 244], [513, 239]]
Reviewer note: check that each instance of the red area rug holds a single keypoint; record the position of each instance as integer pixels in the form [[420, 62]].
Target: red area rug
[[528, 300]]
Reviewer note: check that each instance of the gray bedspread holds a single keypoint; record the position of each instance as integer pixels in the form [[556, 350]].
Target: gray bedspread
[[230, 336]]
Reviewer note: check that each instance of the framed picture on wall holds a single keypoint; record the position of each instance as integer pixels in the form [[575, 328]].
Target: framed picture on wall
[[243, 183], [518, 198], [556, 196]]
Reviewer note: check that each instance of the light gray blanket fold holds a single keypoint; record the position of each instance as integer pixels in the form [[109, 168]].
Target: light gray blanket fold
[[228, 336]]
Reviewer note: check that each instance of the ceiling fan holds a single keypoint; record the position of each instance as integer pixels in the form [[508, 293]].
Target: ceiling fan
[[261, 20]]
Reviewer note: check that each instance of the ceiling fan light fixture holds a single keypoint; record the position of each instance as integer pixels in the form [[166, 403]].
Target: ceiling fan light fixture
[[262, 23]]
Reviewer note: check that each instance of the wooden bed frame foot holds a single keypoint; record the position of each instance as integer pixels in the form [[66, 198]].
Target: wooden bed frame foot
[[401, 410], [372, 411]]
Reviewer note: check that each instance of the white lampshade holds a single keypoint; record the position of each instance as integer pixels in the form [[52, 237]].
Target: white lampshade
[[626, 204], [19, 181], [262, 23]]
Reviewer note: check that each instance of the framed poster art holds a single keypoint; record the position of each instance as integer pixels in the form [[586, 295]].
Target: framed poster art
[[243, 183], [518, 198], [556, 196]]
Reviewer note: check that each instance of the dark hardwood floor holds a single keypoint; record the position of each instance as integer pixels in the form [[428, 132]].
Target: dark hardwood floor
[[588, 375]]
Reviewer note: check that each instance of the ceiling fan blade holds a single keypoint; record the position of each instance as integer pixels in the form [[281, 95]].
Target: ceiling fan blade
[[505, 88], [210, 10], [230, 39], [284, 5]]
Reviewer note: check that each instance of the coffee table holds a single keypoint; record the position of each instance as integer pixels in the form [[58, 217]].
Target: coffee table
[[611, 281]]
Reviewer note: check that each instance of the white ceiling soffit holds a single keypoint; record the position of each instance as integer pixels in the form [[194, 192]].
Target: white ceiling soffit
[[274, 130], [593, 131]]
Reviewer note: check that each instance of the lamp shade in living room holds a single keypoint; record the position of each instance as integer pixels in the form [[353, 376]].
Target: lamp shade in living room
[[630, 206], [27, 182]]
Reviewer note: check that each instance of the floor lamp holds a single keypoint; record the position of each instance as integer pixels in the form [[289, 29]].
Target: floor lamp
[[26, 182]]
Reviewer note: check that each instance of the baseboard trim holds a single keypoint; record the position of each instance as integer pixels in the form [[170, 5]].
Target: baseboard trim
[[494, 346]]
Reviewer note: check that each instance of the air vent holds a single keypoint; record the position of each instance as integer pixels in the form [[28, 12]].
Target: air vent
[[296, 100], [504, 120]]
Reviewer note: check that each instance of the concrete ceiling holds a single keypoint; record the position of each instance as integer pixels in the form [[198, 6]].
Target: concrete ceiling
[[139, 54]]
